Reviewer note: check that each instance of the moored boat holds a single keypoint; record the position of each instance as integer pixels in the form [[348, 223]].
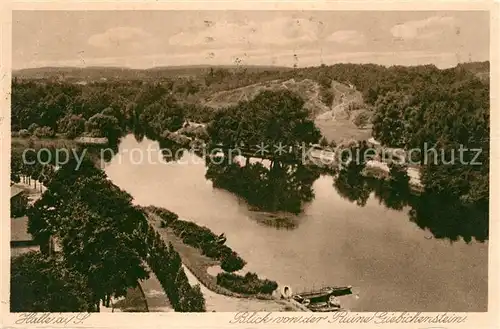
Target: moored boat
[[322, 295], [324, 307]]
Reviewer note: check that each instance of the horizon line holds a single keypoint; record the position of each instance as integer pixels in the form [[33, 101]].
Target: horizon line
[[229, 65]]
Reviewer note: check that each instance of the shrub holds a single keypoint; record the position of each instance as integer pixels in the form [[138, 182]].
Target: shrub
[[361, 119], [248, 284], [200, 237], [232, 262], [33, 127], [24, 133], [41, 132]]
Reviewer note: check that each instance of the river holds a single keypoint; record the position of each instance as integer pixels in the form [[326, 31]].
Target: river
[[391, 262]]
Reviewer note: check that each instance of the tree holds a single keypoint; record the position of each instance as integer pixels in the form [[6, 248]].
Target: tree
[[272, 117], [162, 115], [104, 125], [72, 125], [388, 121], [361, 119], [45, 131], [232, 262], [24, 133], [96, 225], [191, 299], [32, 128], [40, 284], [323, 142]]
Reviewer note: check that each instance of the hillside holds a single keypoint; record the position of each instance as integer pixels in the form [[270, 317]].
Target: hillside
[[309, 90], [336, 121]]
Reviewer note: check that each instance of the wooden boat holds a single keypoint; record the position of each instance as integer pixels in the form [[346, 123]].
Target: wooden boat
[[322, 295], [324, 307]]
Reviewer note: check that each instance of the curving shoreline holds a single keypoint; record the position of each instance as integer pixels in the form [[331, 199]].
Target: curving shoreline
[[198, 264]]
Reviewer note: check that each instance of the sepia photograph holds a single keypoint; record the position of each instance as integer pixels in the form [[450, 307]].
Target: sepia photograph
[[314, 161]]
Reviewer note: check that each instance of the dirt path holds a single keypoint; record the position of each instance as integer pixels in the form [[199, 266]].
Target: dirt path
[[219, 303]]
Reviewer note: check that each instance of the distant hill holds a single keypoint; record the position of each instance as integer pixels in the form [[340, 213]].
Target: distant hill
[[480, 69], [95, 73]]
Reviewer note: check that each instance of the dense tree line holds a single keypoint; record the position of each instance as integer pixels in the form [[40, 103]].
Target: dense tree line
[[201, 238], [98, 228], [47, 284], [167, 266], [95, 224], [445, 116], [47, 108]]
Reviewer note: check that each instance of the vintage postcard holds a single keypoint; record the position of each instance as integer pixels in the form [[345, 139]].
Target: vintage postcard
[[249, 164]]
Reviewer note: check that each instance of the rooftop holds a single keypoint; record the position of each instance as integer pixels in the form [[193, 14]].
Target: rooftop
[[15, 190]]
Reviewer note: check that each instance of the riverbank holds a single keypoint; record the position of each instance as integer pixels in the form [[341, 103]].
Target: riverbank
[[199, 264]]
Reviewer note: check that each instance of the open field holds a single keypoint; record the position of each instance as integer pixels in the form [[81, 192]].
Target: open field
[[338, 130]]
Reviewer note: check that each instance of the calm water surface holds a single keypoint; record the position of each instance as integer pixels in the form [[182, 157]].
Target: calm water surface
[[391, 263]]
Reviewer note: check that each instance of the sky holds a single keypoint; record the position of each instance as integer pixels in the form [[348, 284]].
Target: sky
[[143, 39]]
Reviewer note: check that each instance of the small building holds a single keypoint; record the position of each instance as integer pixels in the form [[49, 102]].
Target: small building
[[18, 201], [20, 240], [15, 192]]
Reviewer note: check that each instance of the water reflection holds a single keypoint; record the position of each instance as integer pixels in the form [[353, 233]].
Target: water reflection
[[444, 217], [279, 188], [450, 219], [171, 150], [277, 193], [353, 187]]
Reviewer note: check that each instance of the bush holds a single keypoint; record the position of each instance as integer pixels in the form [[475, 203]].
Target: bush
[[327, 97], [33, 127], [200, 237], [232, 262], [14, 134], [361, 119], [24, 133], [42, 132], [248, 284]]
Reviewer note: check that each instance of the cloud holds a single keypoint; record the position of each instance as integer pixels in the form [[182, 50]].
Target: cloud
[[347, 37], [423, 29], [280, 31], [120, 37]]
